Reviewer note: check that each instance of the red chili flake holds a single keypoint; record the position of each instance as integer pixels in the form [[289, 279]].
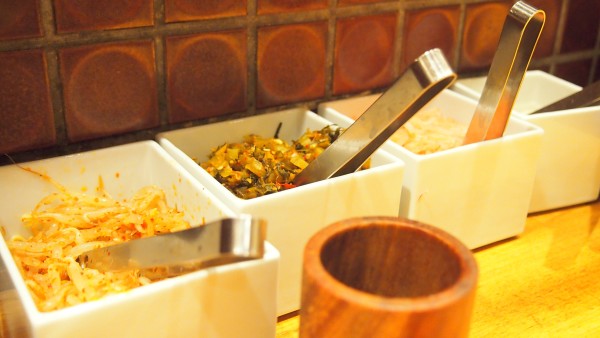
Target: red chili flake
[[287, 185]]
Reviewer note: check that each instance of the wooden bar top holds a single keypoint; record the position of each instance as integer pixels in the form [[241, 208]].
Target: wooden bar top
[[543, 283]]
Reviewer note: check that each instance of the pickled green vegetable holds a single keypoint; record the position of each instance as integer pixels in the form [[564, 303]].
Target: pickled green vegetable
[[259, 166]]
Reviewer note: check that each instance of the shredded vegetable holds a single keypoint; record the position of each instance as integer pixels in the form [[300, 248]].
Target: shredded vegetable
[[64, 224], [259, 166], [429, 132]]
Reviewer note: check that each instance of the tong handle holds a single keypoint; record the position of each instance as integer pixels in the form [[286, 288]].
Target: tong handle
[[518, 39], [586, 97], [220, 242], [426, 77]]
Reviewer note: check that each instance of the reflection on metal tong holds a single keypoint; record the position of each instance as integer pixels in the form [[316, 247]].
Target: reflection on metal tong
[[426, 77], [519, 37], [221, 242]]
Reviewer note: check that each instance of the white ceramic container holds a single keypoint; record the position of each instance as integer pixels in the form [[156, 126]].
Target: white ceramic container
[[294, 215], [569, 167], [235, 300], [478, 192]]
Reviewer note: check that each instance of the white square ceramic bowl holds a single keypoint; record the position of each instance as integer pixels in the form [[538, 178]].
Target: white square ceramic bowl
[[478, 192], [569, 168], [293, 215], [236, 300]]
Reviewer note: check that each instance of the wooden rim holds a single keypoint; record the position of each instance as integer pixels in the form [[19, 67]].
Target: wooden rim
[[314, 268]]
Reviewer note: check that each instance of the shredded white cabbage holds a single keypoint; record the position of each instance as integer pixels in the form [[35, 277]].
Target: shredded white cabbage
[[64, 224], [429, 131]]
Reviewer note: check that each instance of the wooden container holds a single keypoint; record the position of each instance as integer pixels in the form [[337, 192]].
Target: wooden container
[[386, 277]]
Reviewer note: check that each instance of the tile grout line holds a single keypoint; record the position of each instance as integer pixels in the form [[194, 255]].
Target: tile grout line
[[251, 56], [55, 85], [399, 41], [462, 16], [330, 49], [160, 63], [560, 28], [595, 59]]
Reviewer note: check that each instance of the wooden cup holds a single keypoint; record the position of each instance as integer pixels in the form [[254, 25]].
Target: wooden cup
[[386, 277]]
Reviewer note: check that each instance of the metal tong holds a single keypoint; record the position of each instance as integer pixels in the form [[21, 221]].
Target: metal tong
[[518, 39], [221, 242], [426, 77], [586, 97]]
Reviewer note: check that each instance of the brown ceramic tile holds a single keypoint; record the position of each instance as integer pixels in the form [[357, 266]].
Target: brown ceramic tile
[[581, 29], [364, 49], [545, 44], [187, 10], [483, 26], [291, 63], [357, 2], [576, 72], [206, 75], [26, 116], [73, 16], [429, 28], [109, 89], [19, 19], [279, 6]]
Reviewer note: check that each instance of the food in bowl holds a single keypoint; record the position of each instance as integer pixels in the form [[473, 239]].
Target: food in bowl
[[429, 131], [66, 223], [259, 166]]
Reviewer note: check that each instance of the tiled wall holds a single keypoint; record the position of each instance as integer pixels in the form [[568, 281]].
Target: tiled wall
[[76, 75]]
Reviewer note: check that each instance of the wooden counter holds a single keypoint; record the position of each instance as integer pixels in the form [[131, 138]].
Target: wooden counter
[[544, 283]]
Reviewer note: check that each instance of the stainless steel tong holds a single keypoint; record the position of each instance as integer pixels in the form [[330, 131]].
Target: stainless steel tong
[[518, 39], [426, 77], [586, 97], [221, 242]]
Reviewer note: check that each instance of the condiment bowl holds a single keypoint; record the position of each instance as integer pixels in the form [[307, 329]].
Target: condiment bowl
[[295, 214], [478, 192], [569, 169], [202, 303]]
